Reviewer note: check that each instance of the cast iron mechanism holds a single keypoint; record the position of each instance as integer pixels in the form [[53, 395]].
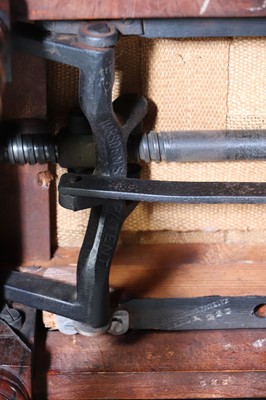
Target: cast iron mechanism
[[73, 147], [113, 190], [89, 302], [175, 27]]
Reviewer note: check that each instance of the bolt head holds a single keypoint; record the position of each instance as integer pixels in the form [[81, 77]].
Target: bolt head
[[98, 34], [98, 27]]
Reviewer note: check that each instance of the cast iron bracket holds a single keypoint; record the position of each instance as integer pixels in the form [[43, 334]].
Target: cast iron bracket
[[92, 51], [112, 194]]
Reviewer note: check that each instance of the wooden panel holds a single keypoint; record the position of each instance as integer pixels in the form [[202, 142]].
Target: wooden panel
[[189, 253], [175, 270], [156, 385], [219, 351], [84, 9], [146, 365], [160, 365], [24, 205]]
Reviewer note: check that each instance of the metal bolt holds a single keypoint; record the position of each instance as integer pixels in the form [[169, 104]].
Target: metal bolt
[[98, 34], [120, 323], [98, 27], [12, 317], [128, 21]]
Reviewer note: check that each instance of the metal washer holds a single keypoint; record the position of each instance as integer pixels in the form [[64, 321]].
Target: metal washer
[[98, 34]]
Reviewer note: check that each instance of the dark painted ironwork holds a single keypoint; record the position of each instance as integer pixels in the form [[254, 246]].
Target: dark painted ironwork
[[72, 151], [94, 187], [113, 194], [11, 316], [175, 27], [41, 293], [200, 313], [95, 89], [211, 312], [187, 146], [203, 27]]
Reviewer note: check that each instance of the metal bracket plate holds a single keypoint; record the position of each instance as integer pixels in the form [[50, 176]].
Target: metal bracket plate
[[200, 313]]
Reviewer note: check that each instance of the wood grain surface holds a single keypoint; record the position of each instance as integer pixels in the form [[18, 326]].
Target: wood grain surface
[[24, 204], [107, 9], [159, 365], [147, 365], [181, 270]]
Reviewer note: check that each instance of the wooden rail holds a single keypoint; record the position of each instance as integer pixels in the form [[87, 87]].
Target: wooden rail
[[115, 9], [160, 365]]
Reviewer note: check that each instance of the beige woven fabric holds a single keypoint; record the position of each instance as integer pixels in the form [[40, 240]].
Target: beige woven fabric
[[128, 66], [214, 84], [62, 89], [187, 81], [191, 84], [247, 84]]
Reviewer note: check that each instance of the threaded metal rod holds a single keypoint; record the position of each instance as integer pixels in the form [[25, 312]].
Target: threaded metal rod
[[31, 149], [26, 141], [78, 151], [190, 146]]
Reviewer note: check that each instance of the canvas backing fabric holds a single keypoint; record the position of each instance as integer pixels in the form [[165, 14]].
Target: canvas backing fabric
[[190, 84]]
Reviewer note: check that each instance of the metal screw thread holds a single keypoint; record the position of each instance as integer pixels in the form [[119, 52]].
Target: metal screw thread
[[184, 146], [31, 149], [151, 147]]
